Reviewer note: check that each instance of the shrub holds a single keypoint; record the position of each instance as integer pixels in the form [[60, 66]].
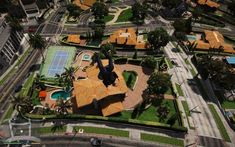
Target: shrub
[[120, 60], [135, 61]]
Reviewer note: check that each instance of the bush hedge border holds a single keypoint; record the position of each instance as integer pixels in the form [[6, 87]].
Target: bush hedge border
[[110, 119]]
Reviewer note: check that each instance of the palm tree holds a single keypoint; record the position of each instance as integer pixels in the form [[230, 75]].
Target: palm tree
[[69, 73], [38, 81], [22, 104], [14, 24], [63, 106], [37, 42]]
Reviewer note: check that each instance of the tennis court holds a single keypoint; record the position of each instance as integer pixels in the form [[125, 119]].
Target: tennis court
[[57, 58]]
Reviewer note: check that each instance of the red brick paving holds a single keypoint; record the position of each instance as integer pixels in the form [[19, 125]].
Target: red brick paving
[[134, 97]]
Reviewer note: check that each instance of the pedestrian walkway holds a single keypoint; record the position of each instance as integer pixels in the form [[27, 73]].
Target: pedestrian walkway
[[116, 15], [134, 134]]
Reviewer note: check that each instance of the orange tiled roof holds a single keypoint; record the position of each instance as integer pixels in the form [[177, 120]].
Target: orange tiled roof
[[79, 4], [141, 45], [208, 3], [202, 45], [93, 88], [124, 36], [88, 2], [74, 39], [109, 107], [215, 40]]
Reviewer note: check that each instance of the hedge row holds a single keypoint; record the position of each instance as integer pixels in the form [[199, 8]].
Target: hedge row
[[110, 119], [124, 60]]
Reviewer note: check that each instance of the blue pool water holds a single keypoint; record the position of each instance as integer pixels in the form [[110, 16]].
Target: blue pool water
[[60, 94], [86, 57], [191, 37]]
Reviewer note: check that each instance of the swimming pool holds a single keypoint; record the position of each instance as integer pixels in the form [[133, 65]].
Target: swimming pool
[[191, 37], [60, 94], [86, 57]]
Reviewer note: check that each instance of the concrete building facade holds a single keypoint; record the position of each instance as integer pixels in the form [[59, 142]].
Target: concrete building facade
[[10, 45]]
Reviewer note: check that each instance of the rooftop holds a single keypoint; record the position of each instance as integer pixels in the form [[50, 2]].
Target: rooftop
[[127, 36], [208, 3], [91, 88], [213, 39]]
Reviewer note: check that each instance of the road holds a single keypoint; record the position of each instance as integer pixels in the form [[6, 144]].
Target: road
[[8, 89], [203, 120]]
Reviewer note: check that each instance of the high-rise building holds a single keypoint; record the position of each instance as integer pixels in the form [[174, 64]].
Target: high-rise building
[[10, 45]]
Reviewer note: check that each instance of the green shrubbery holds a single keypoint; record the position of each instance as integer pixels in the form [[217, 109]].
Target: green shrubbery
[[111, 119]]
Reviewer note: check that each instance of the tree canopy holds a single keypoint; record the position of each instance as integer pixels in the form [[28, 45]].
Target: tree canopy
[[150, 62], [37, 42], [182, 25], [231, 7], [100, 10], [158, 83], [139, 11], [218, 71], [74, 10], [157, 38]]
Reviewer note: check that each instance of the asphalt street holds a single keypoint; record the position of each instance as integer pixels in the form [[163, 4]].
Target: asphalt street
[[203, 120]]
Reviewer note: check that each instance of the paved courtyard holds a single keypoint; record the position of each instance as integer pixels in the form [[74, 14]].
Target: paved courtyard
[[134, 97]]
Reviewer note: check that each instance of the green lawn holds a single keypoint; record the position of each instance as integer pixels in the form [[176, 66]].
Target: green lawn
[[115, 1], [150, 114], [225, 103], [126, 15], [130, 78], [186, 108], [180, 92], [108, 18], [23, 56], [8, 113], [219, 123], [228, 104], [105, 131], [35, 98], [168, 62], [27, 85], [162, 139], [48, 130], [13, 70]]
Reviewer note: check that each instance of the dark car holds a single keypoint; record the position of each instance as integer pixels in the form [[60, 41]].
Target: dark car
[[95, 141], [18, 88]]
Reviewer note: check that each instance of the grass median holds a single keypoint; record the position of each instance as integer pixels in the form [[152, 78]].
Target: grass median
[[162, 139], [180, 92], [219, 123], [104, 131]]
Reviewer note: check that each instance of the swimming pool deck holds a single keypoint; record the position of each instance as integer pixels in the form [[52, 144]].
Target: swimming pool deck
[[50, 57]]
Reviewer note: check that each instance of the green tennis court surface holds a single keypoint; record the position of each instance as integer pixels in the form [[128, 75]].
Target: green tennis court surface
[[57, 58]]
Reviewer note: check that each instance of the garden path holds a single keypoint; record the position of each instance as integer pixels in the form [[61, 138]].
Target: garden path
[[116, 15]]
